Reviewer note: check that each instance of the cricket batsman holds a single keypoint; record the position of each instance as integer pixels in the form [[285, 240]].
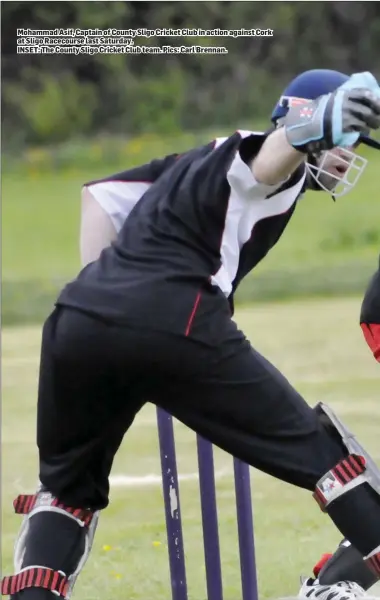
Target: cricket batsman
[[345, 567], [149, 319]]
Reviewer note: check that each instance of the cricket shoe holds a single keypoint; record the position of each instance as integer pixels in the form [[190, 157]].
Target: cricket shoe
[[311, 589]]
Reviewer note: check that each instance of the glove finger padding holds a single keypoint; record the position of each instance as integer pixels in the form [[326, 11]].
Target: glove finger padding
[[363, 107], [364, 80]]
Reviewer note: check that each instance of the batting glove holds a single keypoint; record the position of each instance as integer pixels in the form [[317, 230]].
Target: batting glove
[[335, 119]]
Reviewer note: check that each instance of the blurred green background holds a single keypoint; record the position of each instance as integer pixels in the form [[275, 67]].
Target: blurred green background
[[67, 119]]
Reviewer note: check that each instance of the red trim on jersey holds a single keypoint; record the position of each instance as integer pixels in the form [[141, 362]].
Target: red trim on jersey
[[372, 337], [191, 318]]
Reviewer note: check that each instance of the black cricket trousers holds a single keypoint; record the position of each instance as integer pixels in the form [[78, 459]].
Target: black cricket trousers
[[96, 376]]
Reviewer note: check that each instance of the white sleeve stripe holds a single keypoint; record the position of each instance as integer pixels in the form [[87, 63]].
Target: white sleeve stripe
[[243, 182], [118, 198]]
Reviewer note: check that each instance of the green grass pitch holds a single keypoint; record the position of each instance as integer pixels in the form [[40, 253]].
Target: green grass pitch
[[319, 347]]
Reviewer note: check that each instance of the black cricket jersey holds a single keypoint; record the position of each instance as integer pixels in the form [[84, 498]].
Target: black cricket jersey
[[197, 224], [370, 309]]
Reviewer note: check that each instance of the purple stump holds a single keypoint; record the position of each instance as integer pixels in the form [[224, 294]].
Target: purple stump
[[245, 530], [209, 519], [172, 505]]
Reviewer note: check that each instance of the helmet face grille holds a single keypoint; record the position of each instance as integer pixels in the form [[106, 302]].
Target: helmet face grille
[[352, 166]]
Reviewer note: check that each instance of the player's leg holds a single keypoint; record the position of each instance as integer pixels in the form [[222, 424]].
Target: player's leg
[[84, 409], [346, 563], [246, 407]]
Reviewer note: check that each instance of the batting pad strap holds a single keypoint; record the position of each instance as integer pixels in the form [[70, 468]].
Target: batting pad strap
[[373, 561], [26, 503], [54, 581], [347, 474]]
